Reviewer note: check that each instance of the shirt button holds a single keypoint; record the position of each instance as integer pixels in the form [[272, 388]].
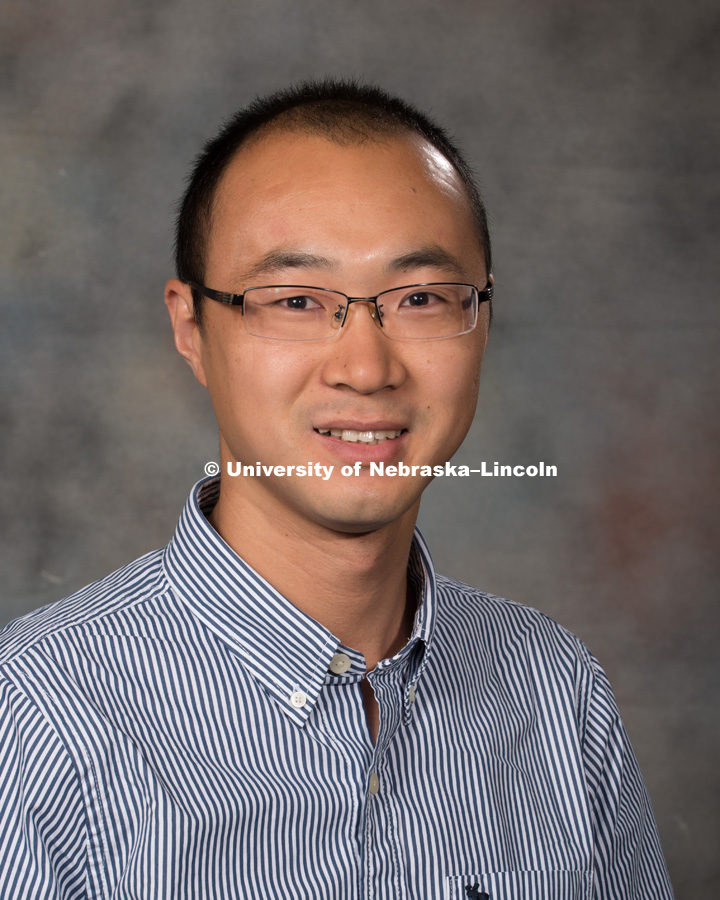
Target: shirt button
[[298, 699], [374, 783], [340, 663], [411, 693]]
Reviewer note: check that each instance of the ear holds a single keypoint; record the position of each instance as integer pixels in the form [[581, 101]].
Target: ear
[[188, 337], [491, 279]]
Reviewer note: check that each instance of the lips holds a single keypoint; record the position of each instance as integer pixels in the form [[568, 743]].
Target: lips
[[351, 436]]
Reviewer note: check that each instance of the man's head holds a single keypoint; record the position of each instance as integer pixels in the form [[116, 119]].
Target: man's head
[[354, 211], [344, 111]]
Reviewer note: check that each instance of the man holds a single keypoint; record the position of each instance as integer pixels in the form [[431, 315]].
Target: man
[[287, 701]]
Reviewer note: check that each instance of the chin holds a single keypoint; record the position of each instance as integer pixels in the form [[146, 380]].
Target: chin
[[370, 514]]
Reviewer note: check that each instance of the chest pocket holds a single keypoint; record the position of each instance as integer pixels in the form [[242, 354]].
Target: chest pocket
[[561, 885]]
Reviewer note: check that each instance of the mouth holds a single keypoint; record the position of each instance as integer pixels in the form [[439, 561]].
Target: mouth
[[369, 438]]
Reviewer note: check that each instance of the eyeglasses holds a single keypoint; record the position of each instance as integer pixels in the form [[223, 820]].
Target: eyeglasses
[[416, 312]]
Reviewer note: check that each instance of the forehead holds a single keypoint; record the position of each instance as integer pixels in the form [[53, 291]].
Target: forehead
[[297, 190]]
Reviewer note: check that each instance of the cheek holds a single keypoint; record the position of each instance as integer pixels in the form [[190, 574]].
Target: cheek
[[456, 380], [451, 400], [260, 379], [473, 362]]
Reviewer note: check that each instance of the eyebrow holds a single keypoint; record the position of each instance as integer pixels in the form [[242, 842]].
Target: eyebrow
[[428, 258], [431, 257], [279, 260]]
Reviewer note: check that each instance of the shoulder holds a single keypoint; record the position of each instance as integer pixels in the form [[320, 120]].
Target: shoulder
[[474, 621], [461, 602], [518, 658], [129, 586]]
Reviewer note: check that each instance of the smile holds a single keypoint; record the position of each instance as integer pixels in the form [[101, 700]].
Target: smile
[[361, 437]]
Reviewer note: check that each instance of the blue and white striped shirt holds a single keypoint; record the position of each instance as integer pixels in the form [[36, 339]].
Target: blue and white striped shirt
[[181, 730]]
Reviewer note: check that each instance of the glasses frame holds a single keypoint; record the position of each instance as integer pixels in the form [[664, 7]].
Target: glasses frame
[[229, 299]]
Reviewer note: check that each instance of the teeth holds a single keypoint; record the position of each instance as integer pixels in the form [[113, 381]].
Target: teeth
[[362, 437]]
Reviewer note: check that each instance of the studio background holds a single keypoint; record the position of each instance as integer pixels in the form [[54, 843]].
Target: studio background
[[594, 130]]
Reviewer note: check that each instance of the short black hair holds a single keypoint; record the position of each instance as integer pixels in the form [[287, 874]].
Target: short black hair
[[347, 111]]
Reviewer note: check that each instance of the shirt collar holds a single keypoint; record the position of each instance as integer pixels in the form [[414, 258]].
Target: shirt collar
[[287, 651]]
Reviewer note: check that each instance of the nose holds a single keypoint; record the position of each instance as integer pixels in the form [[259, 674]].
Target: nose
[[360, 357]]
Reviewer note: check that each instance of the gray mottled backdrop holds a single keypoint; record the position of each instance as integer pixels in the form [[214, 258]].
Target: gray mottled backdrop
[[594, 129]]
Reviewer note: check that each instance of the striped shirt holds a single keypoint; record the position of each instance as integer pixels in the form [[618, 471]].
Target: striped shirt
[[181, 730]]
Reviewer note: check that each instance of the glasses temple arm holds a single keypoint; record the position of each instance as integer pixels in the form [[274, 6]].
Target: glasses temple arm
[[220, 296]]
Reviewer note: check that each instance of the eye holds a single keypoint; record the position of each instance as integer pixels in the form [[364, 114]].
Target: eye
[[299, 302], [421, 299]]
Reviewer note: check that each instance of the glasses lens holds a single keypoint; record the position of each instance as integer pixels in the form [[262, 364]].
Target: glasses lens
[[417, 312], [292, 313], [427, 311]]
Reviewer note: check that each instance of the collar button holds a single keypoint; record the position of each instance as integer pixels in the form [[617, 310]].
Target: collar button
[[340, 663], [298, 699]]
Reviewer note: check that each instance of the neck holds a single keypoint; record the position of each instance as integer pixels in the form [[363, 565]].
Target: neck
[[353, 584]]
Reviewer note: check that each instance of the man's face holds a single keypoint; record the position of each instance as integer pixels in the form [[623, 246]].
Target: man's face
[[294, 208]]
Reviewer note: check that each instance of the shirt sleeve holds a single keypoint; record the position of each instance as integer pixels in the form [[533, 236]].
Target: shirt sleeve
[[629, 863], [43, 834]]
